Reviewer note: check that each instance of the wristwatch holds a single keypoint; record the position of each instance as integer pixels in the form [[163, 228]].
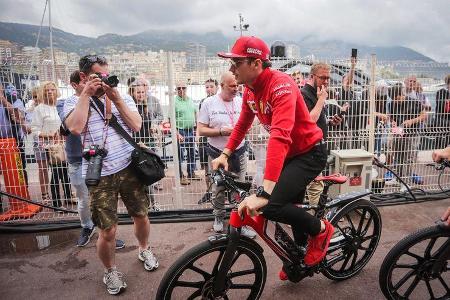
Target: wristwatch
[[260, 192]]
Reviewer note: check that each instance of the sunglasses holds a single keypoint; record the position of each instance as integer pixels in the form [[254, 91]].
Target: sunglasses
[[90, 60], [323, 77], [181, 88], [235, 63]]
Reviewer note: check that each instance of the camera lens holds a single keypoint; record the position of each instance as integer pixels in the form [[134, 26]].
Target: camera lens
[[112, 81]]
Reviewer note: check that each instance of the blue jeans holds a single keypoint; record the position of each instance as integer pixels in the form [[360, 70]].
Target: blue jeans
[[77, 181], [189, 145]]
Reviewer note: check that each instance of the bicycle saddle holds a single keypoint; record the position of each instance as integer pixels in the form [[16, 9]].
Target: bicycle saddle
[[334, 178]]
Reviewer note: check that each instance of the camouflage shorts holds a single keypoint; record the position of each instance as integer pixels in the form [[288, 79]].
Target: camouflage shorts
[[104, 197]]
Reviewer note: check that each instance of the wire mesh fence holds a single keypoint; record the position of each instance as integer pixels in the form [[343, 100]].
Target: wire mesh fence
[[399, 114]]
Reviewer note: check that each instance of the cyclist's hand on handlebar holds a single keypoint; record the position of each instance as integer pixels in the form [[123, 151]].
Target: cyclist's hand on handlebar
[[446, 217], [221, 161], [251, 205], [441, 154]]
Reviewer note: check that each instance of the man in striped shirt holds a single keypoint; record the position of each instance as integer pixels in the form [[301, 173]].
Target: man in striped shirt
[[117, 178]]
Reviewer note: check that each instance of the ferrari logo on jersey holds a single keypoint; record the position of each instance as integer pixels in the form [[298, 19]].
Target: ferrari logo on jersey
[[265, 107], [252, 106]]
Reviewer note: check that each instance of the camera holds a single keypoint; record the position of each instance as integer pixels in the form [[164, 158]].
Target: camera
[[94, 156], [110, 80], [342, 113]]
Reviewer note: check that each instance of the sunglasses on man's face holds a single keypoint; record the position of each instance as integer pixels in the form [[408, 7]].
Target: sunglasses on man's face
[[323, 77], [181, 88], [236, 63]]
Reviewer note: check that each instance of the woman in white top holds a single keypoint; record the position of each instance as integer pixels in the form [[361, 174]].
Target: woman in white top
[[45, 126]]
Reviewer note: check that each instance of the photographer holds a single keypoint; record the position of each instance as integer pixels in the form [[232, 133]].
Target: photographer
[[109, 151], [74, 158]]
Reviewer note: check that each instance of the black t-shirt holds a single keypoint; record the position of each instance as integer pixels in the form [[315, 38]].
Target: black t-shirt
[[407, 109], [144, 134], [309, 94], [442, 117], [380, 105], [357, 114]]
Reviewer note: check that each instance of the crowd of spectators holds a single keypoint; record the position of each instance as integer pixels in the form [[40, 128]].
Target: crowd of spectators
[[403, 115]]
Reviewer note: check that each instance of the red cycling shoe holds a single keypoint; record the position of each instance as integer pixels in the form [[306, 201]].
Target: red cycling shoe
[[318, 245]]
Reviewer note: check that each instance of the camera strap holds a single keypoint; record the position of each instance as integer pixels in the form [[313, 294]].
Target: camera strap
[[106, 115], [99, 106]]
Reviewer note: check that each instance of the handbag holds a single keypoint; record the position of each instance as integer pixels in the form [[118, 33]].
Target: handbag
[[56, 154], [146, 164]]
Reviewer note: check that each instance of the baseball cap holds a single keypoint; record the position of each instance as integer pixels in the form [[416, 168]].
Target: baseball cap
[[248, 46]]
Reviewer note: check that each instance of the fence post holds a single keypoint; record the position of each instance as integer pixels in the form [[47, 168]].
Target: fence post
[[173, 131], [373, 61]]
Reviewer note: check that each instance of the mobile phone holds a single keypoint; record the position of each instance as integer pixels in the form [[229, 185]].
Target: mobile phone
[[354, 52], [342, 113]]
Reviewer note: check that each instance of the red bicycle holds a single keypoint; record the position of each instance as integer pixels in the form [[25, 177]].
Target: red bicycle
[[231, 266]]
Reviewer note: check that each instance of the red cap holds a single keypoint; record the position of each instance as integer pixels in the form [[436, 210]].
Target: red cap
[[248, 46]]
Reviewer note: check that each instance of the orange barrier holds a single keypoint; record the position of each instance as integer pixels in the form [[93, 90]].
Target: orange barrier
[[15, 184]]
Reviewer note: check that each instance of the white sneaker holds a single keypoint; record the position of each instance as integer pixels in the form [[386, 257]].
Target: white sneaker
[[248, 232], [114, 281], [403, 188], [391, 182], [218, 224], [149, 259]]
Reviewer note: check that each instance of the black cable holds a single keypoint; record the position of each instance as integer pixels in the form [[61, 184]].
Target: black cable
[[37, 203]]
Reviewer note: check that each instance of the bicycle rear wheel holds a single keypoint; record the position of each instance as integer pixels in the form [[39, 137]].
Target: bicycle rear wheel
[[356, 236], [406, 272], [192, 275]]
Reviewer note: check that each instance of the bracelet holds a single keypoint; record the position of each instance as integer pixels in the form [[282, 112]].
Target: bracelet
[[226, 154], [220, 131]]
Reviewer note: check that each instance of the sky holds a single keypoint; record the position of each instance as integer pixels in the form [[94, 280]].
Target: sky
[[417, 24]]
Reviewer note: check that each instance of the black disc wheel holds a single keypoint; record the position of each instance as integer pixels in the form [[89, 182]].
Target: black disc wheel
[[418, 266], [357, 231], [192, 275]]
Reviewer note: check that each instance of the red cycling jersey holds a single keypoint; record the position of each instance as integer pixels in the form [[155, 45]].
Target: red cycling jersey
[[279, 105]]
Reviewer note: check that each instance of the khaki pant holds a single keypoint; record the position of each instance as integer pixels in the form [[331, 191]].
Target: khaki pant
[[313, 190]]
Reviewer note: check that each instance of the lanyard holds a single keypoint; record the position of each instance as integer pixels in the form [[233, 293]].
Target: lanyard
[[106, 116], [231, 112]]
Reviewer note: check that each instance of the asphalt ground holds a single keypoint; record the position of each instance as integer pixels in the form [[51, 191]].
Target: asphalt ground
[[48, 265]]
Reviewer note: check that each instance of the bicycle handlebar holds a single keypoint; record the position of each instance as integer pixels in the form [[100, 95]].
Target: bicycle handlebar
[[440, 165], [221, 177]]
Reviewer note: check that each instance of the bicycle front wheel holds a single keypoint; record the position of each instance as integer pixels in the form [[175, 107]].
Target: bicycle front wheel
[[407, 271], [192, 275]]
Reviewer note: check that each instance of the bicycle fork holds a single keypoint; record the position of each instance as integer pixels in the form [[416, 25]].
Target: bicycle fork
[[219, 284]]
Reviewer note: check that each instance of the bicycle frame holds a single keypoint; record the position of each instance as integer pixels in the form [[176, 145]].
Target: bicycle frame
[[259, 223]]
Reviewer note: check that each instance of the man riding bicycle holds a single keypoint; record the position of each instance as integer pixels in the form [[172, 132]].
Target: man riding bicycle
[[437, 156], [296, 153]]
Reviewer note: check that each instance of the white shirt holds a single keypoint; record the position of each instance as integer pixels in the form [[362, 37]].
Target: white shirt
[[119, 150], [216, 113], [45, 120]]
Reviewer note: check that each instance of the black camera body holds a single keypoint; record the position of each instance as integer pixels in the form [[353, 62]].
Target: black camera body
[[111, 80], [94, 156]]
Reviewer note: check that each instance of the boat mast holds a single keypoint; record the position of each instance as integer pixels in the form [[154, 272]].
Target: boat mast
[[52, 54]]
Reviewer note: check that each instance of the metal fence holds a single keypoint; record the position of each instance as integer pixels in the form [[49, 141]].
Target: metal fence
[[369, 124]]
